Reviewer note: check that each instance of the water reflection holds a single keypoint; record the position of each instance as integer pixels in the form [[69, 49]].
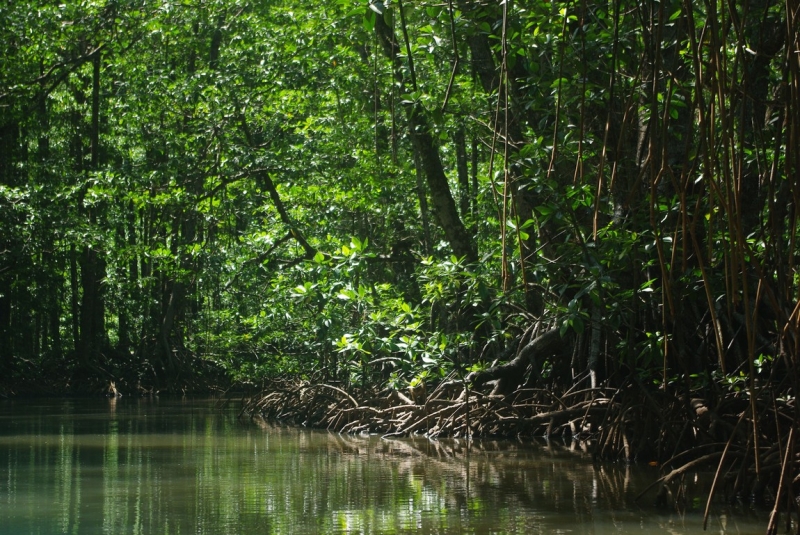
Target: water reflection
[[154, 466]]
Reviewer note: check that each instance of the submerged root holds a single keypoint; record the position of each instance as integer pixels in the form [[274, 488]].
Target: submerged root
[[629, 423], [449, 410]]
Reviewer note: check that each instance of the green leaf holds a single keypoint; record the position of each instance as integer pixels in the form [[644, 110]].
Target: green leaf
[[563, 329], [577, 324], [369, 21]]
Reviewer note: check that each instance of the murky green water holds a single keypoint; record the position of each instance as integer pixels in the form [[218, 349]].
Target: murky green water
[[144, 466]]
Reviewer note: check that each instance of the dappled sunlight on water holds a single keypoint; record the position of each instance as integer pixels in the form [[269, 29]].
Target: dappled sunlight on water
[[150, 466]]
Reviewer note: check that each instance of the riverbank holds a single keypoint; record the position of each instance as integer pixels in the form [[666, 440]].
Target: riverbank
[[750, 445], [196, 377]]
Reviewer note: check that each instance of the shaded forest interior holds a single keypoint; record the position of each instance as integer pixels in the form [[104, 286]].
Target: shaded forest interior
[[416, 217]]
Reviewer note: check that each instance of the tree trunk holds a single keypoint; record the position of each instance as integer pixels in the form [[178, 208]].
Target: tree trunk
[[460, 141], [427, 151], [422, 195], [9, 133], [508, 130], [93, 336], [510, 375]]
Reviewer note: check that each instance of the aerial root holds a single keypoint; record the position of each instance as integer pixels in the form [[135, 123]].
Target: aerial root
[[628, 423], [447, 411]]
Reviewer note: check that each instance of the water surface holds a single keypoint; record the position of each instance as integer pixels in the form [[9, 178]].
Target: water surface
[[161, 466]]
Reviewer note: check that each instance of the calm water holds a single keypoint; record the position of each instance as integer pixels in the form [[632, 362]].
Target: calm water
[[143, 466]]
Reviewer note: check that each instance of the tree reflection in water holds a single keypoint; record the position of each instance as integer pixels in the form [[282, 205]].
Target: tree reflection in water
[[175, 466]]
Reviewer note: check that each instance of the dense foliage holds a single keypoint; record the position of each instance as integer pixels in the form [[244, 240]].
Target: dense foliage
[[388, 193]]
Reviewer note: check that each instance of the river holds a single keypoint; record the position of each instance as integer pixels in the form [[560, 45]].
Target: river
[[172, 466]]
